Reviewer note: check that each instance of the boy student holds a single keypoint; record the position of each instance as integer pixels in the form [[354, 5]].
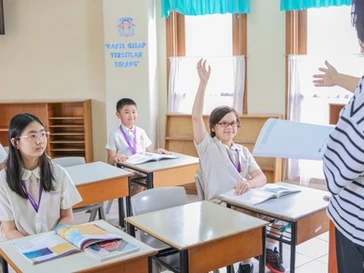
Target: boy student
[[128, 139], [224, 164]]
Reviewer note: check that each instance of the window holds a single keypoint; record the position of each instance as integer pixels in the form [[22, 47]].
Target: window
[[313, 36], [221, 39]]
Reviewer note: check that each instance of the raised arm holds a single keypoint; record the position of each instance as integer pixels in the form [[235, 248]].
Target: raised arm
[[331, 77], [199, 130]]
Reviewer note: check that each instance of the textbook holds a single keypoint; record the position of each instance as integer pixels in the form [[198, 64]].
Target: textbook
[[145, 157], [292, 139], [110, 249], [255, 196], [65, 240]]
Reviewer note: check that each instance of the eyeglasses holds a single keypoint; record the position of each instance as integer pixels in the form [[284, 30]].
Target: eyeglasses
[[226, 124], [35, 136]]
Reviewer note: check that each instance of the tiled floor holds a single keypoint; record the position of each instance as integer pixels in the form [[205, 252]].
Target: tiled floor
[[311, 256]]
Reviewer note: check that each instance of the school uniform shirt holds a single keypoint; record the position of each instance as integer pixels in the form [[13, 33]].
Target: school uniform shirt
[[27, 221], [118, 143], [343, 166], [216, 172]]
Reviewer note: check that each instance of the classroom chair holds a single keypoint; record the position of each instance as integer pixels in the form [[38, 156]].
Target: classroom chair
[[153, 200], [69, 161]]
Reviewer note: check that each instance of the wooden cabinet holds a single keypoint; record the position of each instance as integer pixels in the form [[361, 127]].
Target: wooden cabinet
[[69, 123], [179, 138]]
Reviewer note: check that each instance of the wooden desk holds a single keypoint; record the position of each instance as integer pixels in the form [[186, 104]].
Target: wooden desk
[[82, 262], [168, 172], [304, 211], [99, 182], [207, 236]]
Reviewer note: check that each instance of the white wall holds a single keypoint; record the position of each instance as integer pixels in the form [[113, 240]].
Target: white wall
[[266, 61], [55, 50]]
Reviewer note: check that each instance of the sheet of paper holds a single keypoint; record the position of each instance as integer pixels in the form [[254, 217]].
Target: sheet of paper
[[291, 139]]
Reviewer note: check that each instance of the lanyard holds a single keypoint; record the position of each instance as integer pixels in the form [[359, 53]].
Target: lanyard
[[133, 150], [31, 200], [238, 168]]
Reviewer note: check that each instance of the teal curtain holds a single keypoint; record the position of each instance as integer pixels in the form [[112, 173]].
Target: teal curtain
[[305, 4], [202, 7]]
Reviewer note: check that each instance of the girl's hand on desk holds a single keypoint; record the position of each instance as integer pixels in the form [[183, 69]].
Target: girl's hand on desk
[[241, 187], [120, 158], [162, 151]]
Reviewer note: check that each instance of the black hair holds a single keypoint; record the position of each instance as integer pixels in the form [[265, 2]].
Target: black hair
[[125, 101], [218, 113], [357, 17], [15, 163]]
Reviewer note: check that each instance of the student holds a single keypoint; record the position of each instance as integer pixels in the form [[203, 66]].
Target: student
[[128, 139], [35, 194], [343, 163], [224, 164]]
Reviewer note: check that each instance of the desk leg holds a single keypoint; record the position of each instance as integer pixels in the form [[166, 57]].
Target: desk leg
[[130, 229], [293, 246], [262, 257], [128, 202], [150, 184], [121, 212], [4, 265], [183, 267]]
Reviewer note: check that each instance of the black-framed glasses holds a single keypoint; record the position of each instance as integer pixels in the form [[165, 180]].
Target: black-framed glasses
[[226, 124]]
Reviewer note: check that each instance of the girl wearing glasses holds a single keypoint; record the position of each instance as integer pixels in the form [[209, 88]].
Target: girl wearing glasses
[[35, 194], [225, 165]]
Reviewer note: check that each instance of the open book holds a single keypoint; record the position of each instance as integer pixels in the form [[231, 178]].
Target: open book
[[68, 239], [254, 196], [145, 157], [291, 139]]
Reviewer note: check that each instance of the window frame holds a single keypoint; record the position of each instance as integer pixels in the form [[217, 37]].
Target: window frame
[[296, 40], [175, 42]]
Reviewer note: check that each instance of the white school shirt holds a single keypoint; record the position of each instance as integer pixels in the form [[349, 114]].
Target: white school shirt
[[27, 221], [117, 142], [216, 172], [3, 154]]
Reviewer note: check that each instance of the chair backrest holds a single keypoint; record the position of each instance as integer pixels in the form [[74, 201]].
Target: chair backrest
[[3, 153], [153, 200], [199, 187], [68, 161], [158, 199]]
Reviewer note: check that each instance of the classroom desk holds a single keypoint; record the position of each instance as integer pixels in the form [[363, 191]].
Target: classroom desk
[[167, 172], [207, 236], [82, 262], [99, 182], [304, 211]]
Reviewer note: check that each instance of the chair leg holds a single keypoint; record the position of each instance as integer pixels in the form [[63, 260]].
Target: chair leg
[[108, 207], [93, 215], [102, 213]]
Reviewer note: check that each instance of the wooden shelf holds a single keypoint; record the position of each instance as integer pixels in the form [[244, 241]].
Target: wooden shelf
[[70, 123], [67, 134], [66, 126], [66, 141], [65, 118], [67, 149]]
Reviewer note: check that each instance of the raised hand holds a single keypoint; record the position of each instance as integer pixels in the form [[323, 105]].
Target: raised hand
[[203, 72], [328, 78]]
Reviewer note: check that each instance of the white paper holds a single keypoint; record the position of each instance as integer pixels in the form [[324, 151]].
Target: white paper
[[292, 139]]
